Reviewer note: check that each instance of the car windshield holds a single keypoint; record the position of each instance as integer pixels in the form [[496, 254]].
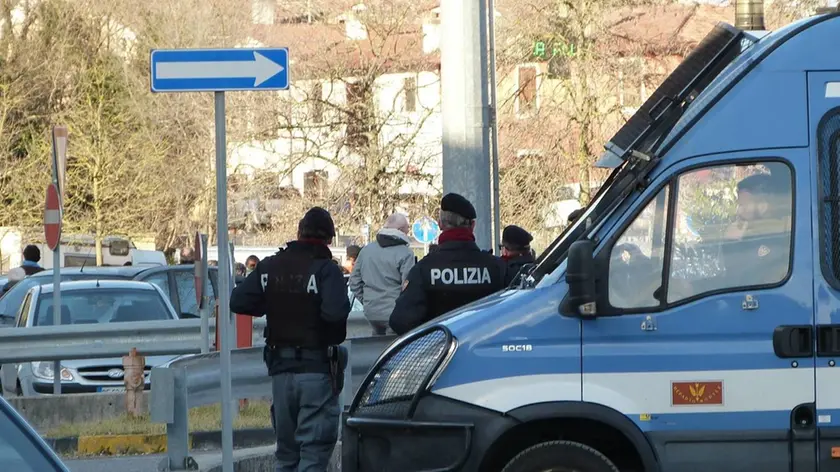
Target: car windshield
[[11, 300], [97, 305]]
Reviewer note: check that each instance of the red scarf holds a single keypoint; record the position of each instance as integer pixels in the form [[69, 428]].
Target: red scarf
[[456, 234]]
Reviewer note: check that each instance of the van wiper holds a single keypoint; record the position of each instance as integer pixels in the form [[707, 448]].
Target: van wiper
[[652, 122]]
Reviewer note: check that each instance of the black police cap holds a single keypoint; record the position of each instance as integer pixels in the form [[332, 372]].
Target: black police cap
[[318, 219], [458, 205], [517, 237]]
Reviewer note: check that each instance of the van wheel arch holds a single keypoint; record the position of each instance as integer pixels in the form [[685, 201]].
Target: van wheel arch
[[549, 414]]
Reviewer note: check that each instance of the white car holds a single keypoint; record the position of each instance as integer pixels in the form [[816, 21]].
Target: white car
[[85, 302]]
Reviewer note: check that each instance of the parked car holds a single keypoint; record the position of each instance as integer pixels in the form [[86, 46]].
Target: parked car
[[85, 302], [176, 281], [21, 448]]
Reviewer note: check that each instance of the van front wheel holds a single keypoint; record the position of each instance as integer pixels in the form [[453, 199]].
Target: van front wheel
[[560, 456]]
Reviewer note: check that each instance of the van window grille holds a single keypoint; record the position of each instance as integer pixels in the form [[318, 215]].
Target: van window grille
[[829, 164]]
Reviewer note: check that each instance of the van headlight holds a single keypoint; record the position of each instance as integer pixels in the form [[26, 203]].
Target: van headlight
[[403, 373]]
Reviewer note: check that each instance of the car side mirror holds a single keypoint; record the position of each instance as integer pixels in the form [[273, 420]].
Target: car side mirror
[[580, 275]]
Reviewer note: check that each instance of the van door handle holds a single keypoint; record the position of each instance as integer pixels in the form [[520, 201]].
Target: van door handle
[[828, 340], [793, 341]]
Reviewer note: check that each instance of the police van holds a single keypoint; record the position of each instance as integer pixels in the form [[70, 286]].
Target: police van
[[688, 321]]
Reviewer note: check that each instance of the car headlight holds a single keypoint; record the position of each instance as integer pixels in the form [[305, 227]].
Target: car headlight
[[403, 373], [44, 371]]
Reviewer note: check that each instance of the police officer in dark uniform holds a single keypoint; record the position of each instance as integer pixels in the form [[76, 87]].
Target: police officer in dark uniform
[[756, 248], [456, 274], [303, 295], [516, 250]]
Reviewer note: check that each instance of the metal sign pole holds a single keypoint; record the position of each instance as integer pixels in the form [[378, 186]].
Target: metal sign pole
[[224, 282], [217, 71], [204, 306], [57, 259]]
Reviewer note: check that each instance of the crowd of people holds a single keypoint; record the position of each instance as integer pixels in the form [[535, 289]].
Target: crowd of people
[[302, 292]]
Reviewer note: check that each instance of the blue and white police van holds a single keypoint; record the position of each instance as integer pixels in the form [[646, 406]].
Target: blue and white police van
[[650, 336]]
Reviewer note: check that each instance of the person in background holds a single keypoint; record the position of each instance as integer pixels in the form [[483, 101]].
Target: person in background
[[251, 263], [213, 263], [380, 270], [187, 256], [516, 250], [458, 273], [350, 259], [304, 299], [31, 257], [14, 276]]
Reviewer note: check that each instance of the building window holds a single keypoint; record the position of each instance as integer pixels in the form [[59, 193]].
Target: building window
[[316, 103], [263, 11], [237, 182], [358, 115], [410, 94], [526, 90], [315, 183]]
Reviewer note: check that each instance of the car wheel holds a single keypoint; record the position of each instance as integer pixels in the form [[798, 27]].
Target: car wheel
[[560, 456]]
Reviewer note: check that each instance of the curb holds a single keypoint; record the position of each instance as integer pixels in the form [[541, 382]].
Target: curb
[[128, 444], [265, 462]]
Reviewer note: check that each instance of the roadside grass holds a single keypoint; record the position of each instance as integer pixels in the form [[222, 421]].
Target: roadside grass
[[205, 418]]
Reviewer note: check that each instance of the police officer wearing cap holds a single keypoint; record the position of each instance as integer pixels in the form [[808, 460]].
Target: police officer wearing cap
[[456, 274], [303, 296], [516, 251]]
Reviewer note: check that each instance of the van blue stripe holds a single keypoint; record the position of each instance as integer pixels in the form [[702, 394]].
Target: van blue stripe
[[723, 421]]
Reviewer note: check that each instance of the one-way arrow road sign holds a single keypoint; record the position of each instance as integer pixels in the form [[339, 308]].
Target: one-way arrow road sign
[[219, 70]]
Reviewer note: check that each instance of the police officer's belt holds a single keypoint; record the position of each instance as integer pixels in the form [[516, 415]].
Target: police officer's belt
[[301, 353]]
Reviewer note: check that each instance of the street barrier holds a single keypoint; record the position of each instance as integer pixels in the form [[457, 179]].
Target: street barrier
[[195, 380], [96, 341], [93, 341]]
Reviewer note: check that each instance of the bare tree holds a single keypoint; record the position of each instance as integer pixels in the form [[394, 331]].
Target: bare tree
[[588, 64], [360, 116]]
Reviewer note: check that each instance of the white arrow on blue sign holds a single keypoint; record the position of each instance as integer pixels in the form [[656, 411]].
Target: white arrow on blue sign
[[425, 230], [219, 70]]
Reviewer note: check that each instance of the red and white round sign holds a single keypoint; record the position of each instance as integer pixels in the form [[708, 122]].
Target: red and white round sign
[[52, 218]]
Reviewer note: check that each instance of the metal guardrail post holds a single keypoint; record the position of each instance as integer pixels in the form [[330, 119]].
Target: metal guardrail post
[[178, 432], [169, 405]]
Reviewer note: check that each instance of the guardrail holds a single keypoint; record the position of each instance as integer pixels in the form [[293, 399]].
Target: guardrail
[[92, 341], [195, 381]]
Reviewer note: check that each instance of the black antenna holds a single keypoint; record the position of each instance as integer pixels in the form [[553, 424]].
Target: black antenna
[[83, 265]]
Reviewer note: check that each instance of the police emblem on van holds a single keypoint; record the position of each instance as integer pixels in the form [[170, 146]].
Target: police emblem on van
[[697, 393]]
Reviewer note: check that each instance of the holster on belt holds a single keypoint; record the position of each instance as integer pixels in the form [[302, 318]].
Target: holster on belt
[[338, 356]]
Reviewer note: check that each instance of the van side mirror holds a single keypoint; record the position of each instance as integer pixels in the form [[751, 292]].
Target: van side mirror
[[580, 275]]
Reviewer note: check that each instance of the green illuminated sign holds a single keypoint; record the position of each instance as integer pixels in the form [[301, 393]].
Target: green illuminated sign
[[542, 48]]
